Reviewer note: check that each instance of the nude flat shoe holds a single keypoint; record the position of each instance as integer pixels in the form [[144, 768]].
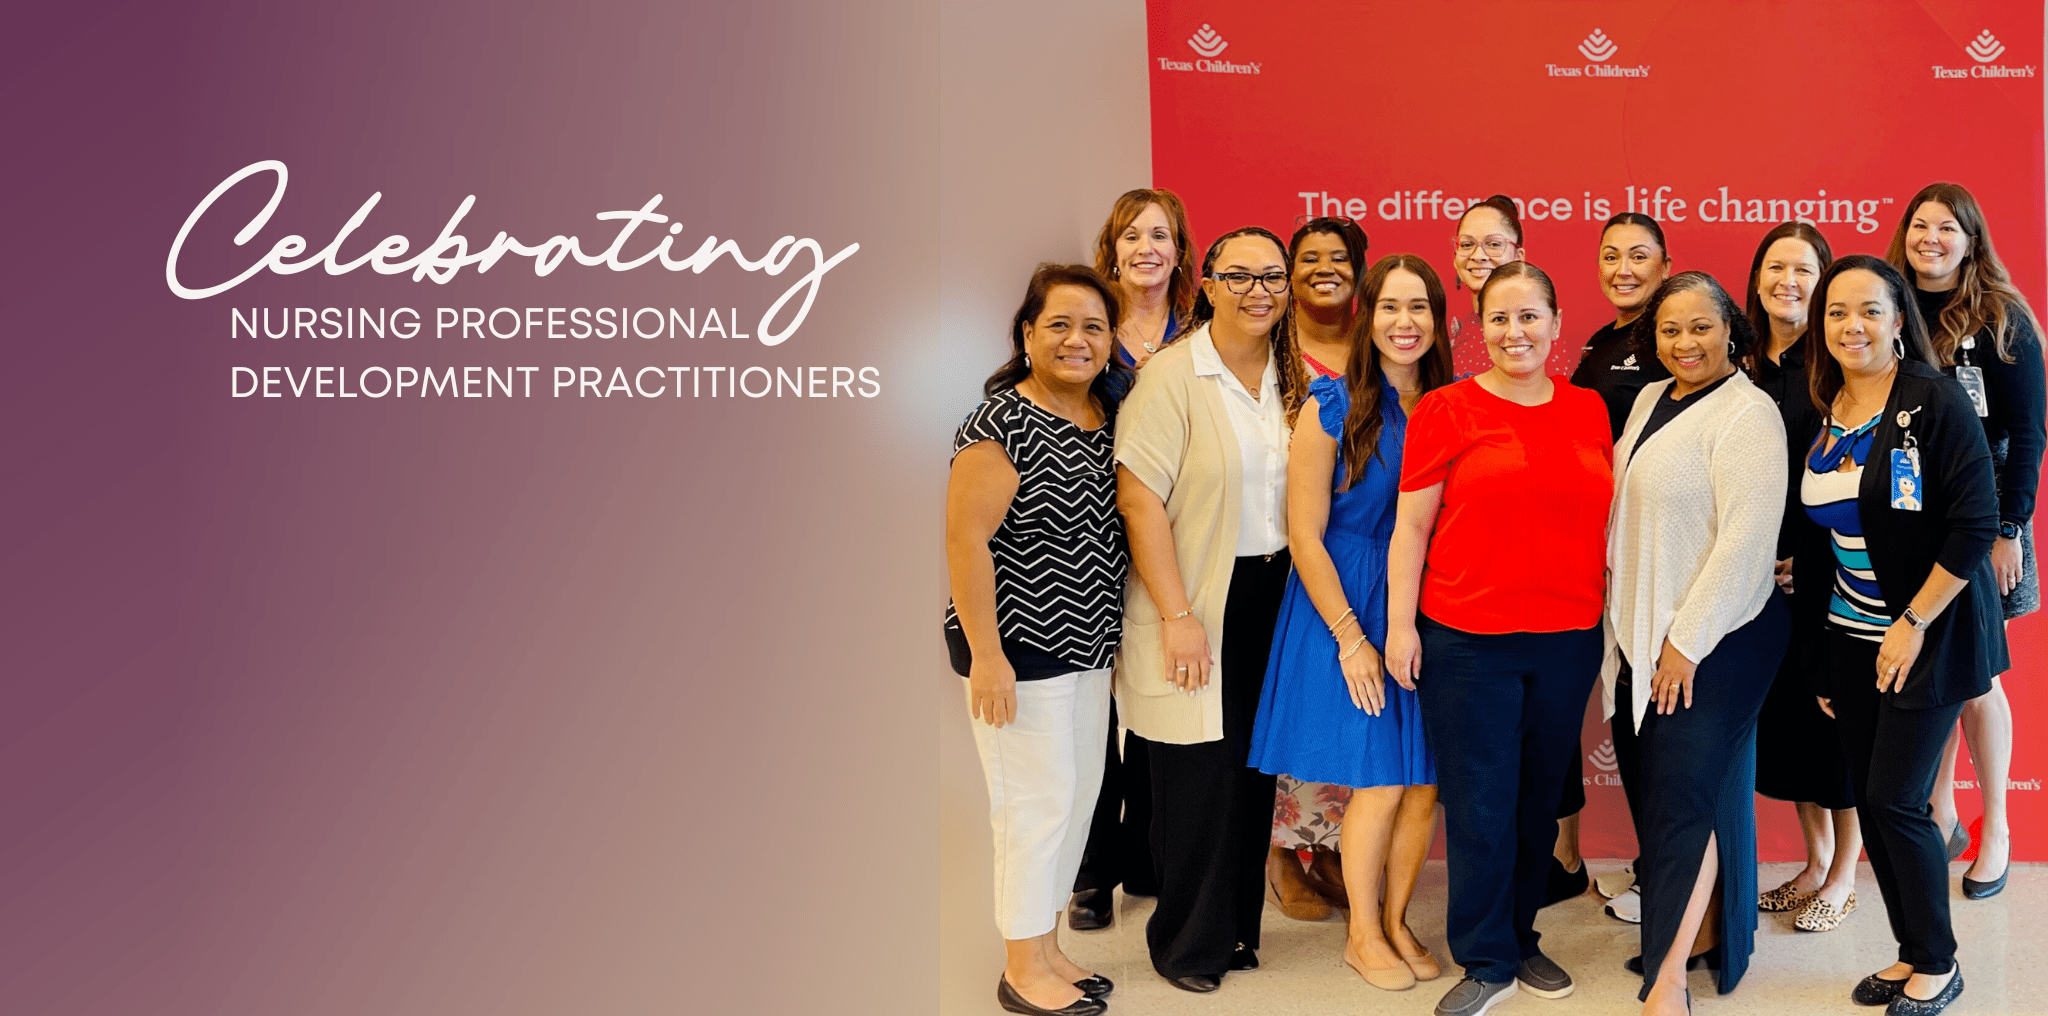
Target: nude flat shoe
[[1395, 978], [1424, 967]]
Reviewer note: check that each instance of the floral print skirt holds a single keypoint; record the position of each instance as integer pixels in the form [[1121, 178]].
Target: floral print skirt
[[1306, 815]]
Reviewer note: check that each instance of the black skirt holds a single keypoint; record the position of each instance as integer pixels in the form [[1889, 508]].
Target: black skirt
[[1798, 755]]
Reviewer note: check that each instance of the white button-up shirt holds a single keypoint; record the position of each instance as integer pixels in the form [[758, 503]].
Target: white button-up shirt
[[1261, 428]]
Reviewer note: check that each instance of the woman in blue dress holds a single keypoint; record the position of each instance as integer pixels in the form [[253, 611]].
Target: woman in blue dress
[[1327, 712]]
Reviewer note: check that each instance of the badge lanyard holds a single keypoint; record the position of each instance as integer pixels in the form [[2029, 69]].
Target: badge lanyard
[[1909, 490]]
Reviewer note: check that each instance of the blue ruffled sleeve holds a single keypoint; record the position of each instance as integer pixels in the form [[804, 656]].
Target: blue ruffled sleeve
[[1333, 404]]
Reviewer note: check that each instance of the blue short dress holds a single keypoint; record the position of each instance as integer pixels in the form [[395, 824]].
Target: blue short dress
[[1307, 726]]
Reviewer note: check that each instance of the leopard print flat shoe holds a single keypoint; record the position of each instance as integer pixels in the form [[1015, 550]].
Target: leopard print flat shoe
[[1820, 915], [1784, 899]]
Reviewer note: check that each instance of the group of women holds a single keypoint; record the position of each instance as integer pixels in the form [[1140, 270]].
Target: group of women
[[1781, 539]]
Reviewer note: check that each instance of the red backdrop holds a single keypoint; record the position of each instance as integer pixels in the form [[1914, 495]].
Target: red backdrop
[[1702, 113]]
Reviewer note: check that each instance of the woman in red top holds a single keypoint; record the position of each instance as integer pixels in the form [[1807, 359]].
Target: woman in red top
[[1495, 579]]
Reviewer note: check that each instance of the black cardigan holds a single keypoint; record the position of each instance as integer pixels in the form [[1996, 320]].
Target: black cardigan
[[1965, 646], [2018, 403]]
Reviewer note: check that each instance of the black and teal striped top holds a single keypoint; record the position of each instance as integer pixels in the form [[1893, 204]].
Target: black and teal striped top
[[1829, 493]]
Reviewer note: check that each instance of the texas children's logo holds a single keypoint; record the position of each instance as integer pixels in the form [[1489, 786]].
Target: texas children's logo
[[1209, 44], [1983, 50], [1598, 49]]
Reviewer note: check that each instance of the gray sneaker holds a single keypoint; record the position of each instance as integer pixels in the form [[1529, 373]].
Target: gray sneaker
[[1471, 997], [1542, 977]]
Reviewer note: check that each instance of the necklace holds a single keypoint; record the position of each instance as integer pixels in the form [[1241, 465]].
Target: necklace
[[1152, 346]]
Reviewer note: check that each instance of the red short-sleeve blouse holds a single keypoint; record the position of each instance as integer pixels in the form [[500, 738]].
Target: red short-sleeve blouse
[[1521, 541]]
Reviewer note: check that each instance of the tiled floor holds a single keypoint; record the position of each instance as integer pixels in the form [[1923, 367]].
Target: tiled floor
[[2004, 957]]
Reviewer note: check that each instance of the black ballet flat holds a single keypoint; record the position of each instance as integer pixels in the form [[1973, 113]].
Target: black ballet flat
[[1095, 986], [1906, 1005], [1709, 960], [1958, 841], [1008, 998], [1243, 958], [1973, 889], [1092, 910], [1875, 990], [1200, 984]]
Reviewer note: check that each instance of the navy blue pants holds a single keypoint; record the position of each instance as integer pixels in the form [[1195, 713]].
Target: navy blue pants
[[1503, 714], [1696, 768]]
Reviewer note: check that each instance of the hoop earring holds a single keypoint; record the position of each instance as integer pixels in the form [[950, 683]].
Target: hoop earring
[[1898, 347], [1027, 361], [1731, 349]]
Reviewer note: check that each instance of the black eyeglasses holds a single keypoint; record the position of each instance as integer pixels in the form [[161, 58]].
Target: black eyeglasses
[[1240, 283]]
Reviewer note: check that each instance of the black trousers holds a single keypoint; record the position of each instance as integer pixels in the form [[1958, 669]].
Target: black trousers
[[1503, 715], [1893, 755], [1212, 815], [1119, 850], [1697, 769]]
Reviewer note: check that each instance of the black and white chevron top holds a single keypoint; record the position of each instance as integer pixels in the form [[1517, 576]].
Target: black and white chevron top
[[1060, 554]]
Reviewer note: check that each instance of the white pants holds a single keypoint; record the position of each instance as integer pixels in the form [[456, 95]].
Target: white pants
[[1043, 773]]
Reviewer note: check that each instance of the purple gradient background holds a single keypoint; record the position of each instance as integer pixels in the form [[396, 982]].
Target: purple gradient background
[[508, 706]]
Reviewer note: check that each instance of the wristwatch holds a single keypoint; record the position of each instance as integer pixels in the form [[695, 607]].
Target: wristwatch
[[1913, 618], [2008, 530]]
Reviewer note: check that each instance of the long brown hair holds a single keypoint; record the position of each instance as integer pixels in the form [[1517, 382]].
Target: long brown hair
[[1753, 305], [1180, 291], [1362, 427], [1823, 371], [1984, 294], [1286, 352]]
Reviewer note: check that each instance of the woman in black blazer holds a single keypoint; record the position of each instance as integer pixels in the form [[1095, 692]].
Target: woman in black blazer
[[1892, 558]]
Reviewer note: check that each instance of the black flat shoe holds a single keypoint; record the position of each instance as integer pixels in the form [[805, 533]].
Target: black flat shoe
[[1565, 885], [1092, 909], [1906, 1005], [1200, 984], [1875, 990], [1958, 840], [1973, 889], [1008, 998], [1243, 958], [1096, 986], [1709, 960]]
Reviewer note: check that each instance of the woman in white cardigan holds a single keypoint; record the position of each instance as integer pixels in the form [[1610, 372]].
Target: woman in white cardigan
[[1697, 634]]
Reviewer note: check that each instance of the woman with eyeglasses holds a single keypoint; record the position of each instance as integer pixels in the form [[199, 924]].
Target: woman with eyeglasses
[[1984, 336], [1489, 236], [1145, 251], [1325, 255], [1327, 712], [1495, 583], [1798, 756], [1892, 561], [1201, 450]]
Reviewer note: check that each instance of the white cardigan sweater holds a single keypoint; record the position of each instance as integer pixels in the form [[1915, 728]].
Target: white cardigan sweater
[[1693, 532]]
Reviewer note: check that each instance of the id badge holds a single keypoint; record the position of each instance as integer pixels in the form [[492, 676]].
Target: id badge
[[1972, 379], [1906, 479]]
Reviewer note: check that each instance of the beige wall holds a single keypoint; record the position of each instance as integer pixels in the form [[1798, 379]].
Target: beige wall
[[1044, 120]]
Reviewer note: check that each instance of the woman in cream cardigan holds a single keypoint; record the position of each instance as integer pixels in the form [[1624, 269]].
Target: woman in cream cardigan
[[1201, 451], [1694, 629]]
